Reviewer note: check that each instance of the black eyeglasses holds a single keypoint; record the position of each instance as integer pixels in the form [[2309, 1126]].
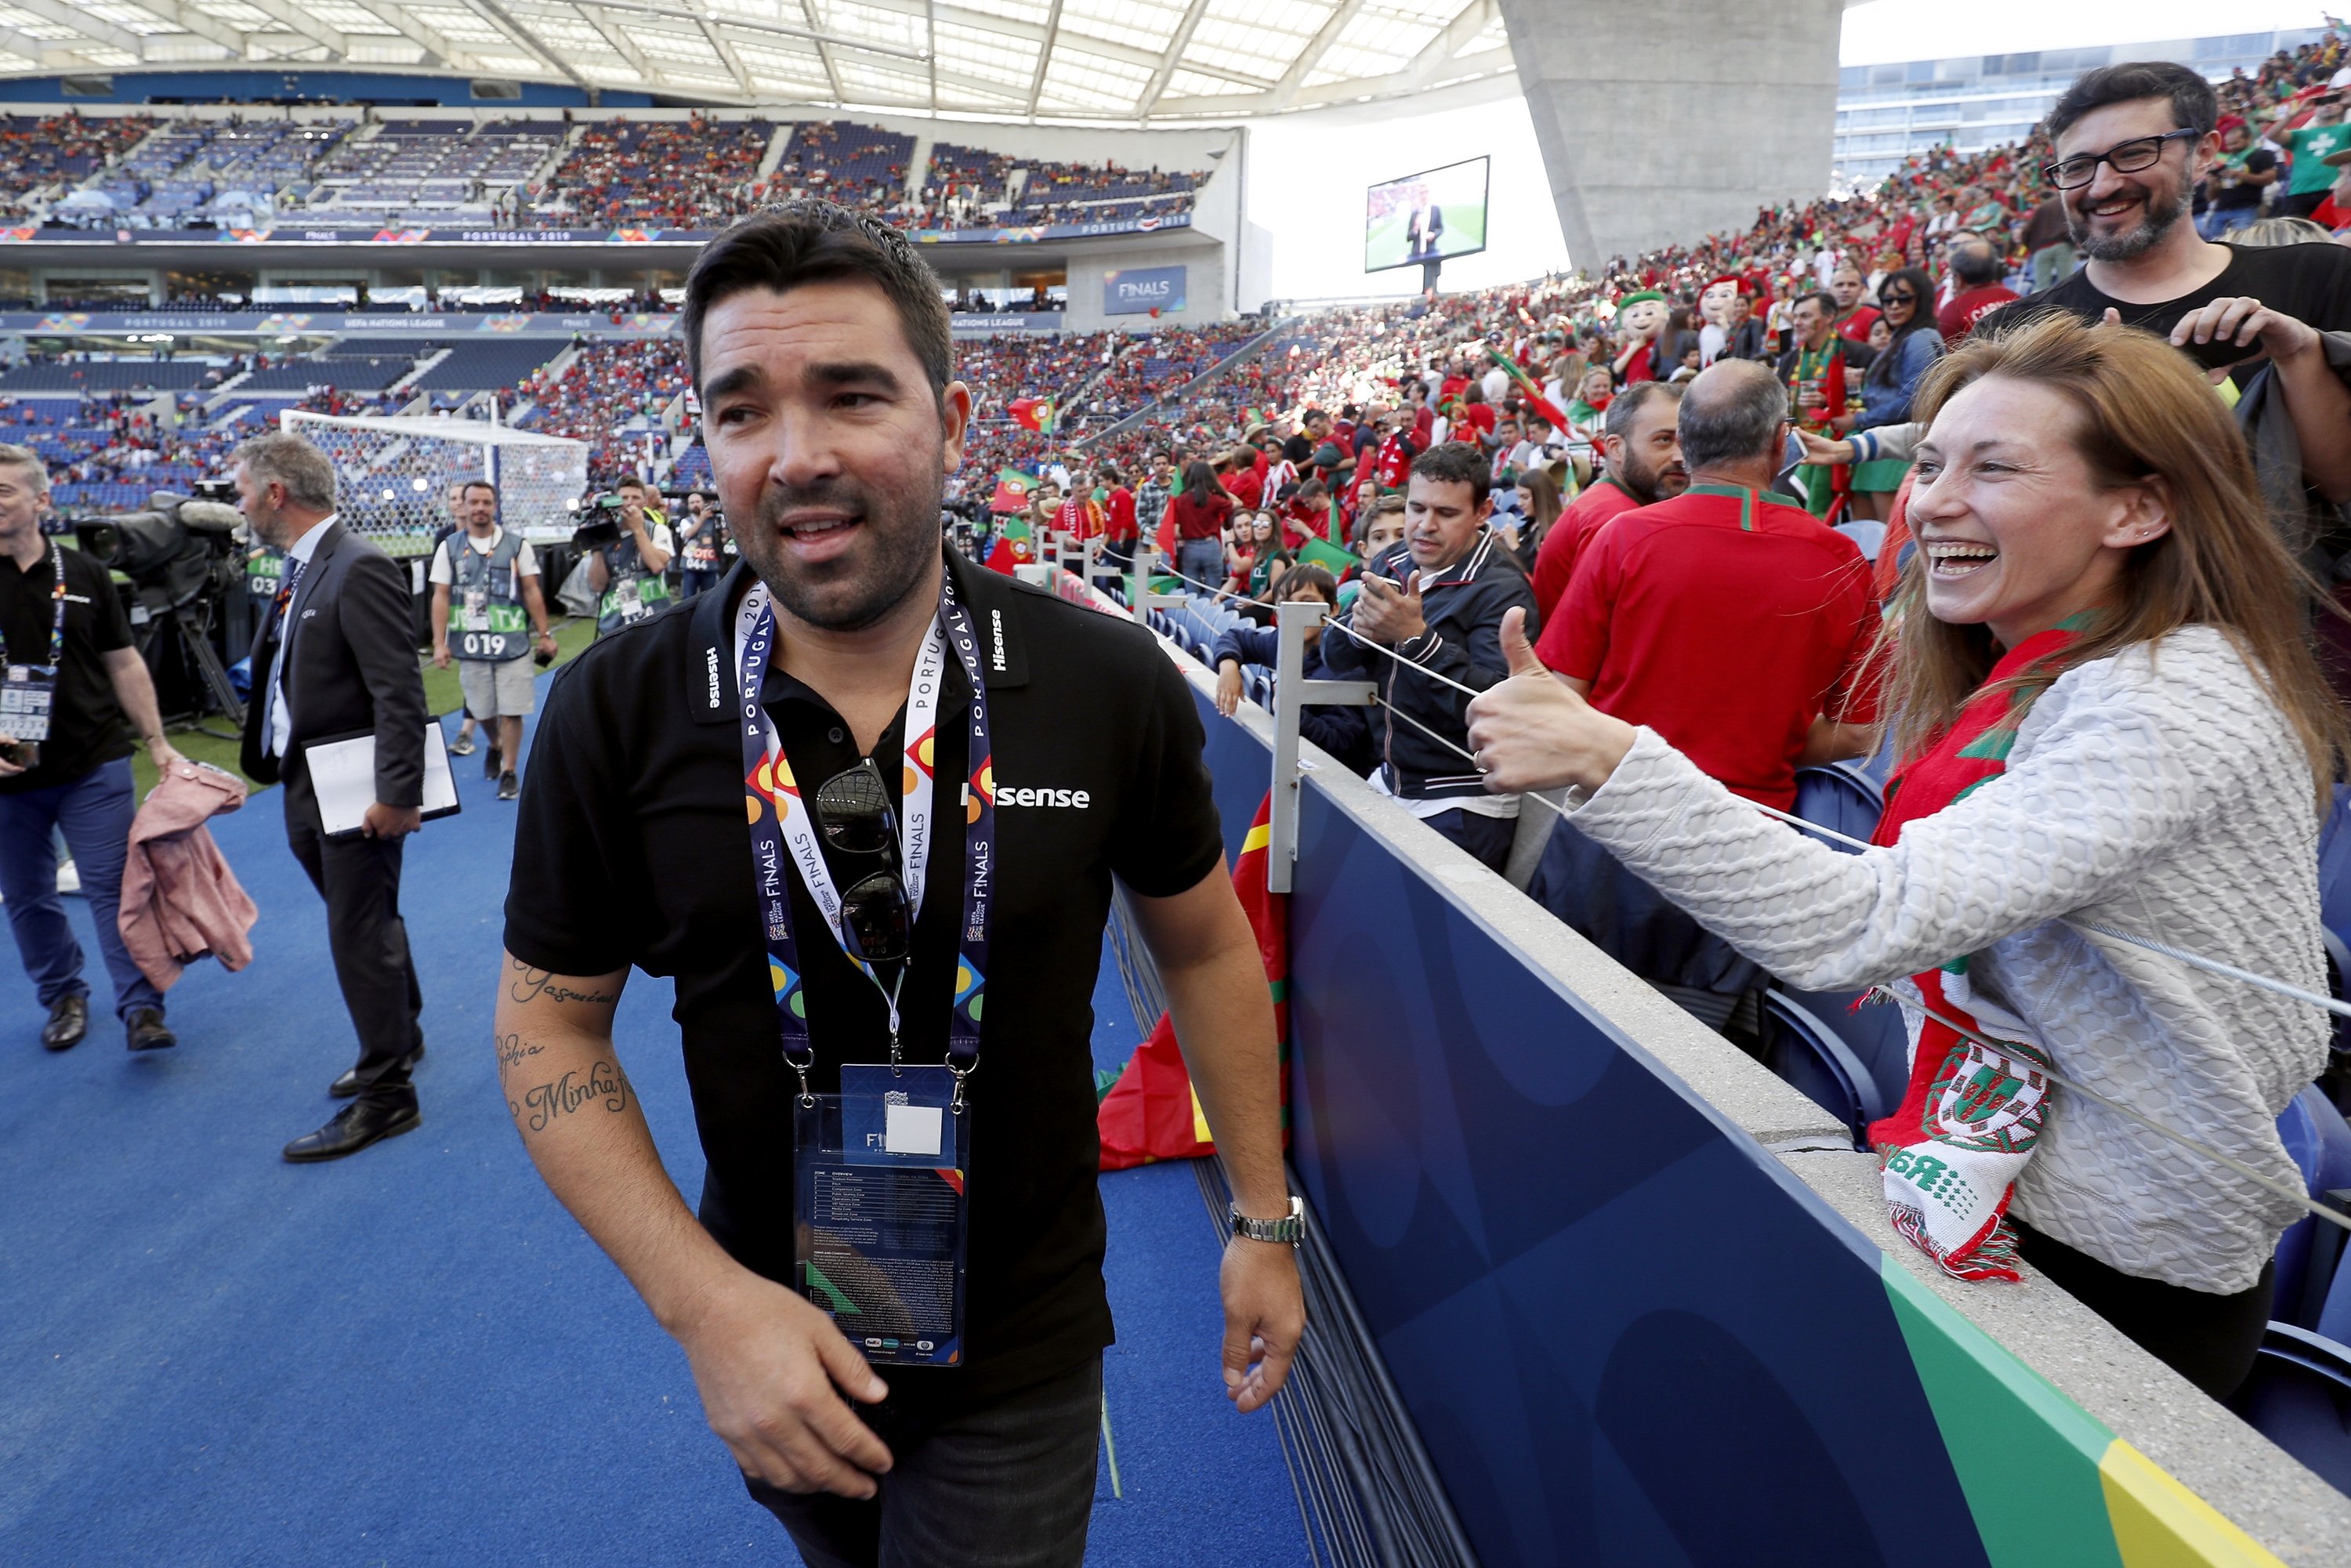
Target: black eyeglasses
[[2127, 157], [1897, 298], [854, 811]]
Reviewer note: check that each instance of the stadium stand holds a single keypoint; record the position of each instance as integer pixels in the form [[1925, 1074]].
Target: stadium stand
[[39, 155], [860, 166], [697, 173], [487, 367]]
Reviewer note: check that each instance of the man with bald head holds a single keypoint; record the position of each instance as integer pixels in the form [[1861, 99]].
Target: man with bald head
[[1733, 625]]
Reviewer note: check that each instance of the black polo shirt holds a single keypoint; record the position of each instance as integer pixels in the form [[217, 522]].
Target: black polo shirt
[[86, 727], [632, 849]]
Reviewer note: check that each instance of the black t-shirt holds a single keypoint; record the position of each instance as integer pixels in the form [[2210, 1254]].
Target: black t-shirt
[[631, 849], [86, 725], [2228, 198], [2311, 283], [1298, 449]]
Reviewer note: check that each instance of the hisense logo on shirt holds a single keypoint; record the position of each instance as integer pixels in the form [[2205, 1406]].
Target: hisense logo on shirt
[[1016, 795], [710, 667]]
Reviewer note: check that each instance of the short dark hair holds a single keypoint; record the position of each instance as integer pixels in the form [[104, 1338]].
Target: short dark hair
[[1456, 463], [1317, 578], [810, 241], [482, 485], [1828, 301], [2194, 104], [1977, 263], [1627, 405]]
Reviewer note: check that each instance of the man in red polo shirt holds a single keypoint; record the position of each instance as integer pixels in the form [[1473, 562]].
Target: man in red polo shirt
[[1734, 626], [1645, 465]]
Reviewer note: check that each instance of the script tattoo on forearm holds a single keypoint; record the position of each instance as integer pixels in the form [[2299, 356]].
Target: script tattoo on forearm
[[531, 984], [512, 1050], [544, 1104]]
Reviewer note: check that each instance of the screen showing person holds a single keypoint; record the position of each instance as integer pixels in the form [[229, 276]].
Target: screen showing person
[[1426, 217]]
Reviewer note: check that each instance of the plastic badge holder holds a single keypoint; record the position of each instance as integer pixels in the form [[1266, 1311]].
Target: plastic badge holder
[[882, 1222]]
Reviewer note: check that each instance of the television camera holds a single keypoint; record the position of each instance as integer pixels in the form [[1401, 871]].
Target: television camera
[[183, 555]]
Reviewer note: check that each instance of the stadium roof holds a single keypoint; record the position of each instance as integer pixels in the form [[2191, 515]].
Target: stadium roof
[[1051, 60]]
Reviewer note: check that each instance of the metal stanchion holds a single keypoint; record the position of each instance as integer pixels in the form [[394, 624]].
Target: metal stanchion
[[1141, 601], [1291, 692]]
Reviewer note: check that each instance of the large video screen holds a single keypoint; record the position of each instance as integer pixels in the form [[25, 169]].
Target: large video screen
[[1431, 216]]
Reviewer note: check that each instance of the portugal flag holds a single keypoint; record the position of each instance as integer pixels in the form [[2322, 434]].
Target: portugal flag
[[1012, 490], [1529, 392], [1037, 413], [1012, 546], [1151, 1113], [1330, 557]]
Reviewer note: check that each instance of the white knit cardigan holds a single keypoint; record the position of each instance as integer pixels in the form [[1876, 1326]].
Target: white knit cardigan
[[2157, 792]]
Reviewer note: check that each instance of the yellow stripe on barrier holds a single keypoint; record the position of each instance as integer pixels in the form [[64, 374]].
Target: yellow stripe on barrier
[[2159, 1523]]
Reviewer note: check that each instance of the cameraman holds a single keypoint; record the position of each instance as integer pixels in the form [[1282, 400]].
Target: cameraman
[[64, 628], [626, 575], [703, 535], [484, 582]]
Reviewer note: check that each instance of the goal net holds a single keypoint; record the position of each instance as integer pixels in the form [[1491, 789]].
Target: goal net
[[393, 474]]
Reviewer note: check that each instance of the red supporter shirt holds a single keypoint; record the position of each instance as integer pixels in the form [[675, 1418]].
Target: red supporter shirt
[[1957, 318], [1122, 514], [1480, 414], [1564, 544], [1247, 486], [1200, 521], [1855, 327], [1727, 624]]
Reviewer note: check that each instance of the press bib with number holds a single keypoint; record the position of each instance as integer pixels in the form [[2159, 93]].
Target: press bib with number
[[632, 592], [487, 620], [881, 1198], [28, 693]]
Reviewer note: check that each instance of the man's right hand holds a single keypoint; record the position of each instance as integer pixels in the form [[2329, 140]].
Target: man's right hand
[[440, 656], [771, 1370], [1228, 687]]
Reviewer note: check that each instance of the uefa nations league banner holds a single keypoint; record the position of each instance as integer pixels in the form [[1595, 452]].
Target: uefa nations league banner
[[1143, 291]]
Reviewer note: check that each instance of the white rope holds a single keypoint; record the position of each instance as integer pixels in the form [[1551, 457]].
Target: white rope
[[2166, 949]]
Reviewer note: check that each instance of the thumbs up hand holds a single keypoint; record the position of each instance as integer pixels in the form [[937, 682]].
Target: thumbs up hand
[[1535, 731]]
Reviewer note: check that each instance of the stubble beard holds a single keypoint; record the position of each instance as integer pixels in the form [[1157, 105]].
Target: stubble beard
[[2155, 220], [859, 589]]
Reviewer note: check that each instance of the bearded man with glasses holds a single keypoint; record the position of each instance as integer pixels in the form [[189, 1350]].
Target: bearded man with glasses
[[2130, 142]]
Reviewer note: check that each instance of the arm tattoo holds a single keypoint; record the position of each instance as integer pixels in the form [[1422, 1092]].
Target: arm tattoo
[[543, 1106], [511, 1051], [531, 985]]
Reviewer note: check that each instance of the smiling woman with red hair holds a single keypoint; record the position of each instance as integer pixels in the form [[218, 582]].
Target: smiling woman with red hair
[[2109, 714]]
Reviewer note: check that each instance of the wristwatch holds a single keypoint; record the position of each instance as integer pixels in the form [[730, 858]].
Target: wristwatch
[[1289, 1227]]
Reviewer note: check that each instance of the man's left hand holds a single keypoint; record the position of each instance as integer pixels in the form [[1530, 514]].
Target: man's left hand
[[1387, 613], [2245, 322], [383, 821], [163, 754], [1265, 1314]]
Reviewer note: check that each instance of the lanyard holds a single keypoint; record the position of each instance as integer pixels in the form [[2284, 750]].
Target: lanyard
[[58, 615], [783, 828]]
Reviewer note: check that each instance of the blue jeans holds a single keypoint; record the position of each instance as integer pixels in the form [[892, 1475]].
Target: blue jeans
[[2219, 221], [1202, 560], [697, 581], [94, 812]]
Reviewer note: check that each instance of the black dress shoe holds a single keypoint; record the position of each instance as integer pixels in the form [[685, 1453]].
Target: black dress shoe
[[147, 1031], [69, 1021], [346, 1086], [490, 763], [355, 1126]]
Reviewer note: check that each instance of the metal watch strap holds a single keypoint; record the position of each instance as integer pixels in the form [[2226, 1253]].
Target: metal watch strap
[[1289, 1227]]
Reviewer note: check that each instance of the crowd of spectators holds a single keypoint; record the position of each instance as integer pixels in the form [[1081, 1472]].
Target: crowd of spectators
[[695, 173], [608, 387], [41, 155]]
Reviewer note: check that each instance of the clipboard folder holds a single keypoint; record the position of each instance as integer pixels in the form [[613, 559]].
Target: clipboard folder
[[343, 777]]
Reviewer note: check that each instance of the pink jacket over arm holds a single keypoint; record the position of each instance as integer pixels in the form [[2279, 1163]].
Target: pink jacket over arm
[[180, 901]]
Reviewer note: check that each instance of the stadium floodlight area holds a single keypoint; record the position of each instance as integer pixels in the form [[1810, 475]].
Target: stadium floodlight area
[[391, 473]]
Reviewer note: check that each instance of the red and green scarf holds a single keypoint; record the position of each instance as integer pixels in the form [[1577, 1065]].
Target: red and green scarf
[[1950, 1156]]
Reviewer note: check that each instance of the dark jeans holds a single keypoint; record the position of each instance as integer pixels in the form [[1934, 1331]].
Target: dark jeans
[[359, 879], [1009, 1484], [1488, 837], [1202, 560], [94, 812], [699, 581], [2207, 1339]]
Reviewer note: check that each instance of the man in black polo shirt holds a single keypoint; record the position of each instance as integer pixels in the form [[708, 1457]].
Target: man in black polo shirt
[[76, 778], [821, 351]]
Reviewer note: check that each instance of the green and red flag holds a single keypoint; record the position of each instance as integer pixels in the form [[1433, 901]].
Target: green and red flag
[[1528, 389], [1013, 545], [1338, 562], [1037, 413], [1013, 488]]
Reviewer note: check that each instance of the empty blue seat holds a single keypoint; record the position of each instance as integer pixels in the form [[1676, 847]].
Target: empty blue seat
[[1807, 1053], [1843, 797], [2309, 1252], [2299, 1398]]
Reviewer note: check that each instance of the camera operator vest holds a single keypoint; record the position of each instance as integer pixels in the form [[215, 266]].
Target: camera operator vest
[[631, 592], [488, 621]]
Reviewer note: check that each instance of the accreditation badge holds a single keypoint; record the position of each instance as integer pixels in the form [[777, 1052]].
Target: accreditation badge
[[28, 697], [881, 1213]]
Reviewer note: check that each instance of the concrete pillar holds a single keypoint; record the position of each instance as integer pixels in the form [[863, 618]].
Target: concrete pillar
[[1665, 123]]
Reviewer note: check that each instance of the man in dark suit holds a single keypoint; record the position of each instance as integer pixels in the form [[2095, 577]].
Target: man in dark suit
[[1424, 231], [337, 658]]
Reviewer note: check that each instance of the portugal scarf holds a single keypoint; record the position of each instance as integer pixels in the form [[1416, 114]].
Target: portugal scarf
[[1972, 1114]]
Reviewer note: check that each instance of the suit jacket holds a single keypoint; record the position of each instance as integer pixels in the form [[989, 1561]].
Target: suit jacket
[[351, 666]]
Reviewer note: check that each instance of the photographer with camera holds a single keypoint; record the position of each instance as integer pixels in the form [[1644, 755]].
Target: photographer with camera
[[704, 534], [484, 584], [628, 555], [71, 677]]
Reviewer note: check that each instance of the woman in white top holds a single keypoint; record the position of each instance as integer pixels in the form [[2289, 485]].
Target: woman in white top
[[2109, 714]]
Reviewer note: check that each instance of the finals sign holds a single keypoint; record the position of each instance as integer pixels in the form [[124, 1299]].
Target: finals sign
[[1143, 291]]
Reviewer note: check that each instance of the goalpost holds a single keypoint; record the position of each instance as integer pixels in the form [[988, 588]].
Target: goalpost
[[391, 473]]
